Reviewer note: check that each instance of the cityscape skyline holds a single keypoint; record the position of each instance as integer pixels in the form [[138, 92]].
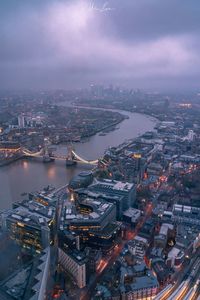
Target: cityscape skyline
[[70, 44], [99, 150]]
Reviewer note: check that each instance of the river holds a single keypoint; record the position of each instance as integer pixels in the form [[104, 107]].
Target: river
[[28, 176]]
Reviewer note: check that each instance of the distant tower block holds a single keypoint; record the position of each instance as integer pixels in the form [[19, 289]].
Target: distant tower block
[[21, 121], [191, 135]]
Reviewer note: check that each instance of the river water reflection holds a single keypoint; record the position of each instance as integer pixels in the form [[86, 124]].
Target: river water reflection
[[26, 175]]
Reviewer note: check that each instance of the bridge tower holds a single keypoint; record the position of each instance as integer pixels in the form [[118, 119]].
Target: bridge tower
[[47, 153], [70, 159]]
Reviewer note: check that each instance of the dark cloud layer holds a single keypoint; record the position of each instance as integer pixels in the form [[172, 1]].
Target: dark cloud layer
[[70, 43]]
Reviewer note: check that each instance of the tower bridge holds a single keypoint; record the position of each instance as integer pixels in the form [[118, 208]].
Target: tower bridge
[[46, 153]]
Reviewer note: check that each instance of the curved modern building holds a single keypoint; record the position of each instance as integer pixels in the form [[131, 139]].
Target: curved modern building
[[81, 180], [93, 220], [88, 213]]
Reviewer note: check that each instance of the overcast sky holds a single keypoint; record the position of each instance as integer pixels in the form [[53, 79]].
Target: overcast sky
[[150, 44]]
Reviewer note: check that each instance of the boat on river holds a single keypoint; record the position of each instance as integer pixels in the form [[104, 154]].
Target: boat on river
[[102, 134]]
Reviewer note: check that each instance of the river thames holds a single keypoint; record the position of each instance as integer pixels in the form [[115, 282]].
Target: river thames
[[25, 176]]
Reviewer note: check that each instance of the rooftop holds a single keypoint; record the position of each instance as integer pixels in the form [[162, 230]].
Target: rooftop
[[132, 213], [113, 185], [97, 209], [141, 282], [31, 212], [26, 282], [174, 252]]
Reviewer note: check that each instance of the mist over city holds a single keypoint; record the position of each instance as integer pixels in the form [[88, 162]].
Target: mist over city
[[99, 150]]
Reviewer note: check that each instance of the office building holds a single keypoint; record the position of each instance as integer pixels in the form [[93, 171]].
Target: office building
[[166, 230], [121, 194], [92, 219], [31, 224], [191, 136], [175, 258], [142, 286], [21, 121], [186, 214], [163, 272], [74, 262], [82, 180], [138, 247], [132, 216]]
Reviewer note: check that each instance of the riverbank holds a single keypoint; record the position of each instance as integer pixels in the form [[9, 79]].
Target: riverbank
[[123, 111], [9, 161], [31, 175], [114, 108], [82, 139]]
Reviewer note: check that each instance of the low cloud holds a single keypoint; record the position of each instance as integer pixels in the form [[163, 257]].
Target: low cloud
[[71, 44]]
